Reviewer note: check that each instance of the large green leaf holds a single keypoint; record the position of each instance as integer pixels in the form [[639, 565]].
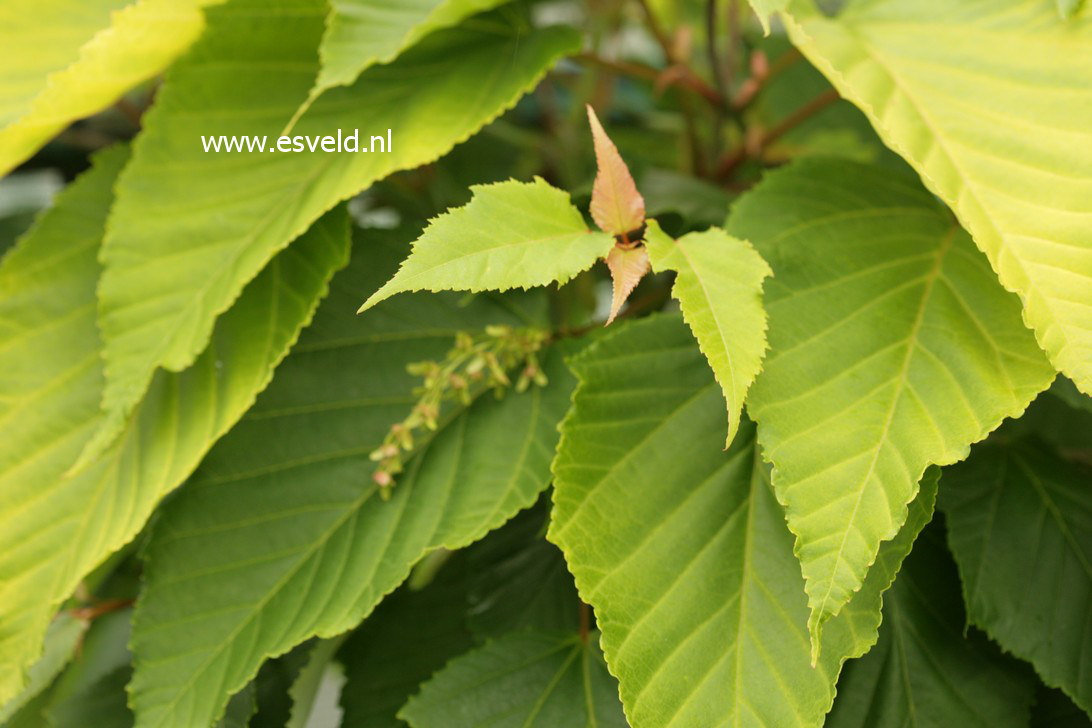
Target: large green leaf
[[282, 534], [892, 346], [687, 560], [68, 59], [1002, 136], [362, 33], [1020, 527], [510, 235], [190, 228], [926, 671], [522, 680], [54, 529], [719, 287]]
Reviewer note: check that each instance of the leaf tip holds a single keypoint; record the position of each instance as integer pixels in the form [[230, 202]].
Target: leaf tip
[[616, 206]]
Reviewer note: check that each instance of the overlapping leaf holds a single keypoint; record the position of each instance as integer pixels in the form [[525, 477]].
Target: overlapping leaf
[[282, 535], [70, 59], [926, 670], [1020, 527], [687, 560], [719, 288], [362, 33], [409, 636], [892, 347], [190, 228], [510, 235], [523, 680], [54, 529], [1002, 137]]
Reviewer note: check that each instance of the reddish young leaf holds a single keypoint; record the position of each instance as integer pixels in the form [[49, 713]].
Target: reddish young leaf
[[627, 267], [616, 205]]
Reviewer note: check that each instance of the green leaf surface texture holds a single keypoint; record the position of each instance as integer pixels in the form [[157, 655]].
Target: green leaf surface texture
[[282, 534], [927, 670], [687, 560], [893, 349], [190, 228], [1003, 137], [54, 528], [74, 58], [719, 288], [362, 33], [529, 679], [510, 235], [1020, 528]]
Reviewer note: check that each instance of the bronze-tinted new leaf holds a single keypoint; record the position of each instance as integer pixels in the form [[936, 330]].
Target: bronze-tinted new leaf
[[627, 267], [616, 205]]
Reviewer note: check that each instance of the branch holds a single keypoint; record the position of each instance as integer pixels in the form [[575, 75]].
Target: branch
[[753, 148]]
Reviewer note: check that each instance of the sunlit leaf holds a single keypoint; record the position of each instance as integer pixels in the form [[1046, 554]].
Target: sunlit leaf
[[71, 59], [190, 228], [1001, 136], [892, 347], [719, 287], [510, 235], [55, 529], [683, 551]]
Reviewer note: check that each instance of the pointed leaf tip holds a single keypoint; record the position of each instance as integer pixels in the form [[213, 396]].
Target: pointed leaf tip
[[627, 267], [616, 206]]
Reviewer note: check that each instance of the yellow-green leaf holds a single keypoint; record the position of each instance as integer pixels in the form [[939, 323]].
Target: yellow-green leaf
[[190, 228], [892, 347], [510, 235], [54, 529], [719, 287], [989, 102], [68, 59]]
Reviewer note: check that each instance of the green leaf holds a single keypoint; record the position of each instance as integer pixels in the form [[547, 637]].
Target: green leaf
[[272, 686], [190, 228], [362, 33], [925, 670], [687, 560], [1066, 391], [892, 347], [1000, 136], [55, 529], [719, 287], [1020, 527], [521, 680], [61, 641], [510, 235], [75, 58], [384, 667], [286, 510], [94, 684], [520, 581]]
